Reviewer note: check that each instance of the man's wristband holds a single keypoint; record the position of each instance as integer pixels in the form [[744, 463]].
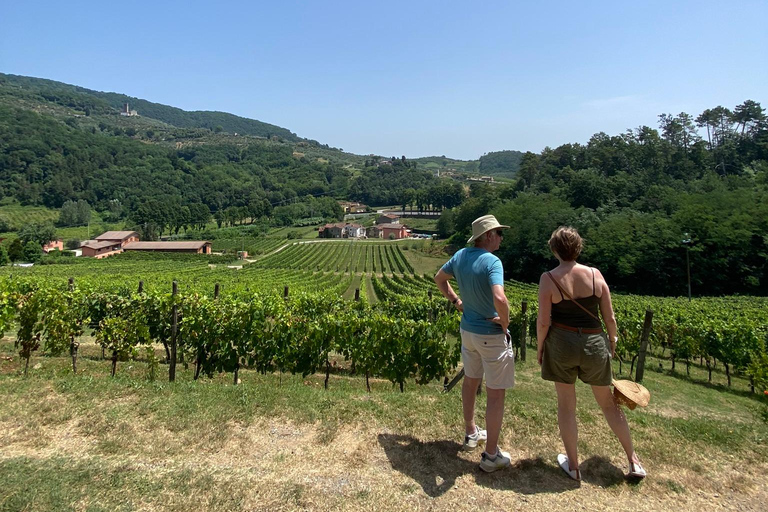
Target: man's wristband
[[457, 299]]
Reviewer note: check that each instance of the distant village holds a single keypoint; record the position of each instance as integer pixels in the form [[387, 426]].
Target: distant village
[[387, 226]]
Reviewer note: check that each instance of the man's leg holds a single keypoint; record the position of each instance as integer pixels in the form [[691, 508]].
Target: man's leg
[[494, 414], [468, 393]]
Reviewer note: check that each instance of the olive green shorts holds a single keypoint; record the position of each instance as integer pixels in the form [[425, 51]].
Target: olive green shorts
[[568, 355]]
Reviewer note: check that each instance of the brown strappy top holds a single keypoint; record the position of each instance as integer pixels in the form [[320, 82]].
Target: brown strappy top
[[566, 312]]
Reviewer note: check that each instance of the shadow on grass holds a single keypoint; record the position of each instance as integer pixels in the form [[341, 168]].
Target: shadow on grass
[[529, 476], [682, 376], [436, 465], [600, 471]]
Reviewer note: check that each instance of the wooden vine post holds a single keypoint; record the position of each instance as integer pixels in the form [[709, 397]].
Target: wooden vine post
[[174, 333], [73, 346], [644, 345]]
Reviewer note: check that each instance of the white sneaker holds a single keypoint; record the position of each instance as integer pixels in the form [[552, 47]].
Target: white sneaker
[[500, 461], [470, 441]]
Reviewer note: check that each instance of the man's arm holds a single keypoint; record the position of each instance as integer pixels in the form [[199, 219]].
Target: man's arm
[[501, 304], [442, 279]]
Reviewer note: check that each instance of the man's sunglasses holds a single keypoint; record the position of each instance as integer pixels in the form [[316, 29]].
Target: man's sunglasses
[[500, 233]]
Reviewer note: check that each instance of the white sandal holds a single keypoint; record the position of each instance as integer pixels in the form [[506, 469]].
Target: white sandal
[[565, 466], [636, 470]]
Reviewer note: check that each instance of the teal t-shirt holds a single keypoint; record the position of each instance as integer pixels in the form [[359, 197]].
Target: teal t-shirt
[[476, 271]]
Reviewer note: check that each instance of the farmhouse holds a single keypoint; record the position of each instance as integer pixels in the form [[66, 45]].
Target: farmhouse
[[53, 245], [121, 237], [115, 242], [108, 243], [332, 230], [194, 247], [388, 218], [395, 231], [354, 231], [350, 207], [98, 250]]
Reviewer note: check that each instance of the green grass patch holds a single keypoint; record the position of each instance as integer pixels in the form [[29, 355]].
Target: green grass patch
[[92, 442], [17, 216]]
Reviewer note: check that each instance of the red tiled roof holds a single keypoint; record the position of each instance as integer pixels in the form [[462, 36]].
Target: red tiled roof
[[116, 235], [165, 246], [98, 244]]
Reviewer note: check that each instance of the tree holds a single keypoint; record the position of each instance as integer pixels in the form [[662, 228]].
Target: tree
[[40, 233], [679, 130], [32, 251], [16, 250], [527, 171], [533, 217], [748, 115], [4, 259], [74, 213], [445, 224]]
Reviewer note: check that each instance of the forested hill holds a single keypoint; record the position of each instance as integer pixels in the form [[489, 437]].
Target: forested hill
[[501, 163], [25, 88], [61, 144]]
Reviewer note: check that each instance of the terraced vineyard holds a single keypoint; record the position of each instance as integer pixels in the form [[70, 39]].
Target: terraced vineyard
[[18, 216], [254, 246], [353, 257]]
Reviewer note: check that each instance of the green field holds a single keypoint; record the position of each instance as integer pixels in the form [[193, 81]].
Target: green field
[[17, 216]]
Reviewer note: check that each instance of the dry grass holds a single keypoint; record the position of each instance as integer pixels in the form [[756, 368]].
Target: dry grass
[[89, 442]]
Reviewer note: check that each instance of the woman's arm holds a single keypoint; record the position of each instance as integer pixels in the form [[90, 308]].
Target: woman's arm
[[606, 311], [543, 321]]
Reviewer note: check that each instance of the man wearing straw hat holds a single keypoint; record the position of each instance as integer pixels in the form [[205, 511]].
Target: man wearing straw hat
[[485, 347]]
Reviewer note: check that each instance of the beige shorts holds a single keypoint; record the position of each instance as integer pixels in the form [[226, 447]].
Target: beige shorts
[[488, 354]]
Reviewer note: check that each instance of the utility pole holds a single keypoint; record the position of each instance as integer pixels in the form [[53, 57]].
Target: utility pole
[[687, 242]]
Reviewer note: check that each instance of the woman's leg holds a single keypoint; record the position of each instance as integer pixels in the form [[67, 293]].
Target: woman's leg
[[566, 420], [616, 419]]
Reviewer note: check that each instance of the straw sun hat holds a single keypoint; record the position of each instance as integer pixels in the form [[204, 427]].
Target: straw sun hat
[[630, 393], [483, 225]]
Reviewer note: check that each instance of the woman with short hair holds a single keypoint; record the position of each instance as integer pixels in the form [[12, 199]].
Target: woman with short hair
[[571, 344]]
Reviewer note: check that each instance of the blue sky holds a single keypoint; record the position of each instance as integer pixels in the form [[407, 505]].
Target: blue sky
[[412, 78]]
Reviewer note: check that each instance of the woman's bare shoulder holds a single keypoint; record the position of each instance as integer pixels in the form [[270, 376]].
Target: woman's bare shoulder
[[601, 285]]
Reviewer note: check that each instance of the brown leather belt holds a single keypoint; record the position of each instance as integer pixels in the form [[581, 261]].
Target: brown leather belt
[[585, 330]]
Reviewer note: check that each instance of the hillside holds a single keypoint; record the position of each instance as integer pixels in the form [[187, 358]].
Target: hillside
[[62, 143], [500, 163], [79, 98]]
